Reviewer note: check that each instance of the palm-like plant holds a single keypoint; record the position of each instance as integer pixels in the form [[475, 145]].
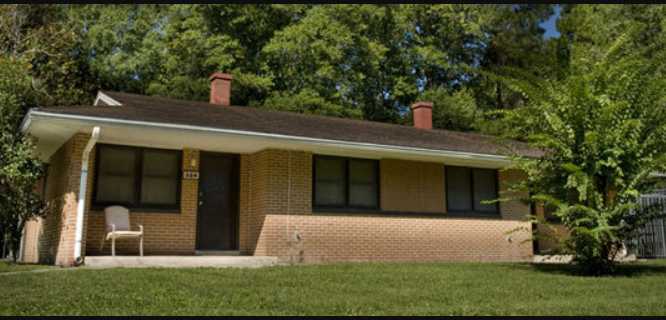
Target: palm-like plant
[[603, 130]]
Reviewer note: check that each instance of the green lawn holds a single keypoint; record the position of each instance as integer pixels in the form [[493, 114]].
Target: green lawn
[[12, 267], [341, 289]]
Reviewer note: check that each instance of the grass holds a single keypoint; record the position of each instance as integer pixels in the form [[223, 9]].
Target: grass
[[6, 266], [339, 289]]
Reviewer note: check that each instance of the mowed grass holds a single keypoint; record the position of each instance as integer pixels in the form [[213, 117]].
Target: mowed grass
[[339, 289], [6, 266]]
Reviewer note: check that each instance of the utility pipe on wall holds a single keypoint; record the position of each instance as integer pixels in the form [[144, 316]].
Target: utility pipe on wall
[[81, 204]]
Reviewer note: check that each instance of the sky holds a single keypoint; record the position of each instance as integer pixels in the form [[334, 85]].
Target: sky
[[550, 24]]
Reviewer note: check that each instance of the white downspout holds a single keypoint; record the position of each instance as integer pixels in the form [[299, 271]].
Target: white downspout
[[81, 205], [22, 245]]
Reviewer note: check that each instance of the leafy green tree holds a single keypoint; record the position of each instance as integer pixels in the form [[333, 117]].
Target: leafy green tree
[[372, 59], [593, 28], [19, 168], [40, 36], [309, 102], [603, 129], [515, 40], [452, 111]]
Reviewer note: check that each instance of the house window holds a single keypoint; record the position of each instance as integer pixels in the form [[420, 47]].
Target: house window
[[548, 212], [137, 177], [345, 183], [467, 188]]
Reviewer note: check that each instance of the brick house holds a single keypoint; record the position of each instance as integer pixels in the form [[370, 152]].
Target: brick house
[[213, 177]]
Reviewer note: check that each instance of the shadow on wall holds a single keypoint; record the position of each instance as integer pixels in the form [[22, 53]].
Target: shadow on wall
[[50, 231]]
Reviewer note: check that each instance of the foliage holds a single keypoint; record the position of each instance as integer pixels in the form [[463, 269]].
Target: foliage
[[453, 111], [309, 102], [40, 37], [19, 170], [372, 60], [603, 128]]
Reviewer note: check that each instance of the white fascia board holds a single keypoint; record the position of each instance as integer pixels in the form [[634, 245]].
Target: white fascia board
[[498, 159], [106, 99]]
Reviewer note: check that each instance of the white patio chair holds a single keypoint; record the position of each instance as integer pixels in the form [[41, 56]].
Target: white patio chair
[[118, 226]]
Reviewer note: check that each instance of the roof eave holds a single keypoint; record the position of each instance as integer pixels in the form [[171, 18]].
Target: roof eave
[[498, 160]]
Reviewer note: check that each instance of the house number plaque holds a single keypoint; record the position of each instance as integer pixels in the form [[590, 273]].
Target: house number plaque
[[191, 175]]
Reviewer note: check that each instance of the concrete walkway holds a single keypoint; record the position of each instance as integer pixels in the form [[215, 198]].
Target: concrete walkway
[[179, 261]]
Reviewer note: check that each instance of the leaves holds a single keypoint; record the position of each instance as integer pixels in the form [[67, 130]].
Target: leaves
[[19, 169], [594, 124]]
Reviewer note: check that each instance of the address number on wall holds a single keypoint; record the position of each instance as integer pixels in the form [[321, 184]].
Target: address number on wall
[[191, 175]]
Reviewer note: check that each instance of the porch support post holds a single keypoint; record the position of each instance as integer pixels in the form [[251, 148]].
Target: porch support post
[[81, 204]]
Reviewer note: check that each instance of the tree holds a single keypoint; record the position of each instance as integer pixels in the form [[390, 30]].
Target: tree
[[593, 28], [19, 169], [515, 41], [603, 130], [40, 36], [452, 111]]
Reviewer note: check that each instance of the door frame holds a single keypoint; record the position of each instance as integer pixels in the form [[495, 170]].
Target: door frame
[[236, 173]]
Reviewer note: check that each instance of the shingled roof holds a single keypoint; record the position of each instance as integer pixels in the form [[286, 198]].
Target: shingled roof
[[194, 113]]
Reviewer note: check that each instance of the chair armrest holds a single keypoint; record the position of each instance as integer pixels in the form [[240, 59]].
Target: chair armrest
[[141, 229]]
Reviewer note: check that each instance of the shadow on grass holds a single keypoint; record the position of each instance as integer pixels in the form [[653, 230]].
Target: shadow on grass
[[627, 269]]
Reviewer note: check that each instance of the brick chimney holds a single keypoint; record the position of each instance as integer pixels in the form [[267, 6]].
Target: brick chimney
[[422, 114], [220, 88]]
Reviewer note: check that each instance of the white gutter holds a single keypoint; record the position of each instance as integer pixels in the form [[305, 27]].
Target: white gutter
[[81, 205], [330, 142]]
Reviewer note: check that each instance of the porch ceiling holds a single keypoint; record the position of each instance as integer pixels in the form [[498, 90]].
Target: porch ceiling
[[53, 130]]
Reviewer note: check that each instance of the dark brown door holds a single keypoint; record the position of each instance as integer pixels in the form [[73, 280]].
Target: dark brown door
[[217, 223]]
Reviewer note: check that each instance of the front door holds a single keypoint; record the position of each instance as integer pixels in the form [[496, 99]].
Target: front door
[[217, 222]]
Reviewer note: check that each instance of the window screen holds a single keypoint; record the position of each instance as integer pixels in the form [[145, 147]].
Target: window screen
[[458, 188], [137, 177], [330, 181], [363, 183], [116, 177], [159, 184], [345, 183], [467, 188], [485, 188]]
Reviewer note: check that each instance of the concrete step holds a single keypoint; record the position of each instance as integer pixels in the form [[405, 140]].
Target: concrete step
[[180, 261]]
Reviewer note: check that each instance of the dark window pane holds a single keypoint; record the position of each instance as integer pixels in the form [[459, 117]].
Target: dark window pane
[[458, 183], [115, 180], [363, 183], [159, 184], [549, 213], [329, 181], [485, 188]]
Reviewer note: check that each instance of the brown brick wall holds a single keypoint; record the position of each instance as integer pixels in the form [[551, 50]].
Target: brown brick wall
[[272, 182], [321, 238], [33, 230], [164, 232], [513, 209], [411, 186], [276, 215], [277, 219], [550, 236], [51, 238]]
